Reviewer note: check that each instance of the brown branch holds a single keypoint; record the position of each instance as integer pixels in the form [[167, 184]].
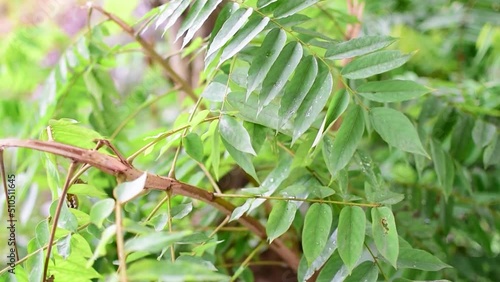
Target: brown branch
[[151, 52], [114, 166]]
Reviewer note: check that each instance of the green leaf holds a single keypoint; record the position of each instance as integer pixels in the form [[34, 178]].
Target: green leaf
[[154, 242], [172, 19], [167, 11], [279, 73], [445, 169], [235, 134], [351, 235], [297, 89], [126, 191], [397, 130], [101, 210], [215, 153], [193, 13], [316, 230], [194, 146], [68, 131], [391, 90], [374, 63], [483, 133], [358, 47], [64, 246], [264, 58], [154, 270], [67, 220], [87, 190], [491, 154], [339, 152], [228, 29], [200, 19], [254, 26], [336, 108], [280, 219], [242, 159], [366, 272], [263, 3], [314, 101], [385, 234], [217, 89], [419, 259], [329, 270], [290, 7]]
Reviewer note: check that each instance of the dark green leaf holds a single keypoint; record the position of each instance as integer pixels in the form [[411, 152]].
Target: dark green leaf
[[351, 235], [263, 3], [297, 89], [279, 73], [366, 272], [445, 169], [374, 63], [492, 153], [264, 58], [397, 130], [242, 159], [391, 90], [331, 268], [314, 101], [339, 152], [385, 234], [316, 229], [235, 134], [358, 46]]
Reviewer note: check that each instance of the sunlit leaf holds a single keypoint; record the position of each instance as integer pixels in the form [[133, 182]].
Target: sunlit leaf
[[126, 191], [154, 270], [391, 90], [358, 46], [297, 89], [279, 73], [264, 58], [374, 63], [228, 29], [314, 101], [290, 7]]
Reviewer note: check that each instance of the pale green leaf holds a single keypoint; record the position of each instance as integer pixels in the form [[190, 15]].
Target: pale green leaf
[[172, 19], [419, 259], [154, 270], [358, 47], [279, 73], [445, 169], [70, 132], [228, 29], [67, 220], [316, 230], [338, 153], [167, 11], [314, 101], [264, 58], [87, 190], [397, 130], [280, 219], [385, 234], [191, 16], [64, 246], [194, 146], [154, 242], [483, 132], [290, 7], [374, 63], [297, 89], [126, 191], [101, 210], [351, 235], [235, 134], [217, 89], [200, 19], [391, 90], [254, 26]]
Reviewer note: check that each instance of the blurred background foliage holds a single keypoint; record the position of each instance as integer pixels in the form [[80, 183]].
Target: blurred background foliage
[[44, 68]]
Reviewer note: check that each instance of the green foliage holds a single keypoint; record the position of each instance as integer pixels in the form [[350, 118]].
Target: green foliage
[[373, 158]]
